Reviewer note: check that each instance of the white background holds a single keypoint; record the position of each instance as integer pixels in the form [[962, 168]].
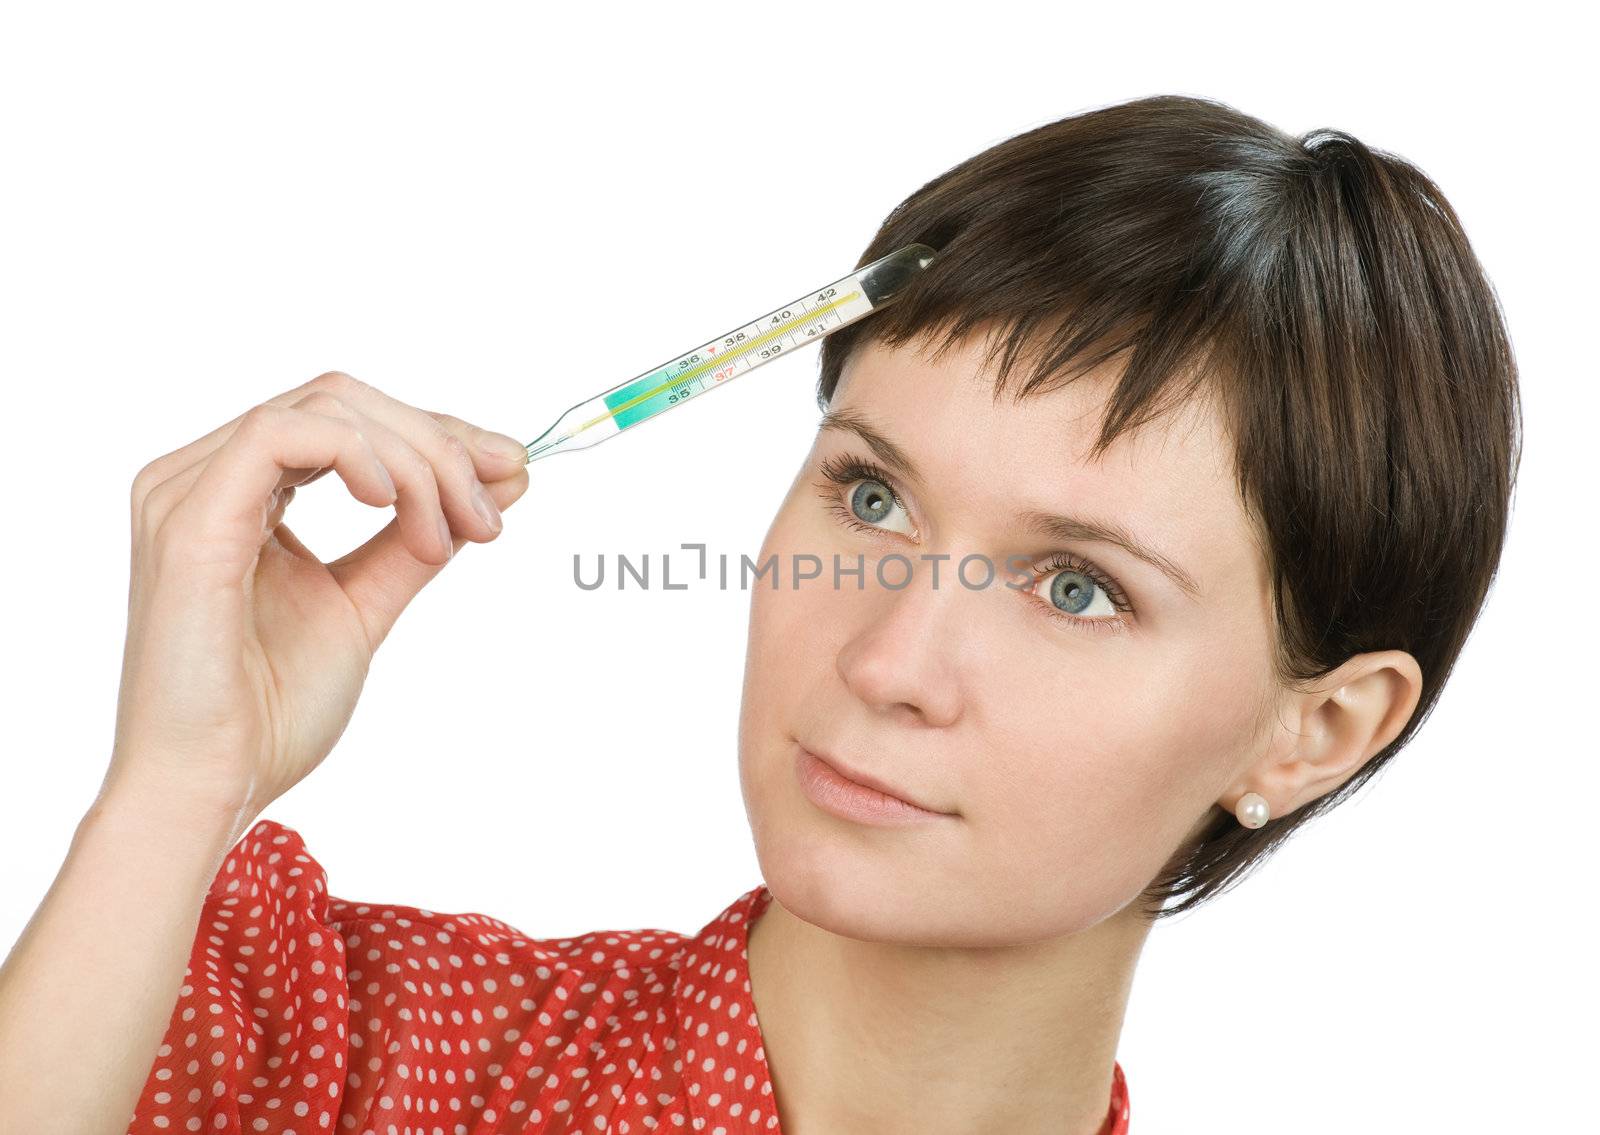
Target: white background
[[499, 210]]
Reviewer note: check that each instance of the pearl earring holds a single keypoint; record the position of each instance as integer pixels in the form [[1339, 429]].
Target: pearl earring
[[1253, 810]]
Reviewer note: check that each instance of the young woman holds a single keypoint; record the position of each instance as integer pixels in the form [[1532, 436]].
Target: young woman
[[1152, 519]]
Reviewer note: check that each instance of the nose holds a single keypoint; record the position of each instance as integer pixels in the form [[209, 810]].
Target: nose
[[905, 656]]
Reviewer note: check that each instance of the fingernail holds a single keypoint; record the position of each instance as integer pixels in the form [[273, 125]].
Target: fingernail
[[444, 534], [503, 446], [486, 507]]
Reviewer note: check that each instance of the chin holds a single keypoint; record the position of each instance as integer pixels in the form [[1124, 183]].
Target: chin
[[851, 880], [855, 880]]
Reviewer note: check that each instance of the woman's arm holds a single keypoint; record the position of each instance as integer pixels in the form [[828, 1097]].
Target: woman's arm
[[244, 658], [89, 987]]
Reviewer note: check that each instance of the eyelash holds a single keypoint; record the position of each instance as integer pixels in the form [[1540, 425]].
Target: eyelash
[[845, 471]]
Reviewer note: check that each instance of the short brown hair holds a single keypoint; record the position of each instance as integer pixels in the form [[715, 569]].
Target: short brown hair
[[1325, 291]]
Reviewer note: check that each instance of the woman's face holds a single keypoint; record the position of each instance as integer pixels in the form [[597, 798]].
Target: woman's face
[[1076, 728]]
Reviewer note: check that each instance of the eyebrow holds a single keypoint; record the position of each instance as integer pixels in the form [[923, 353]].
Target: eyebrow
[[1050, 525]]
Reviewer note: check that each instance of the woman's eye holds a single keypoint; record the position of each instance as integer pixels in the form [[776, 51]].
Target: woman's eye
[[1073, 593], [872, 502], [1077, 592]]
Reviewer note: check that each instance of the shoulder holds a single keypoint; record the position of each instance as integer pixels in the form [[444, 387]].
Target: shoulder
[[457, 1012]]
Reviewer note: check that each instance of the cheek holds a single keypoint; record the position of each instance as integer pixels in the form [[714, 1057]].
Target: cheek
[[789, 627], [788, 651], [1093, 777]]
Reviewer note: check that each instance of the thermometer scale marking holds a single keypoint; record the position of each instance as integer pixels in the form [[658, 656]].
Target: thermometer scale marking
[[814, 315], [626, 409]]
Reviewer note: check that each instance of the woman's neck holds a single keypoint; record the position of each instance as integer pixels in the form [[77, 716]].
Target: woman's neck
[[885, 1037]]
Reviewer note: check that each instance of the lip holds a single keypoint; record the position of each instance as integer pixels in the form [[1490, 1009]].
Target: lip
[[856, 796]]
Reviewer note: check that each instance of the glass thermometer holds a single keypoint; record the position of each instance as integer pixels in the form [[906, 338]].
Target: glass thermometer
[[806, 320]]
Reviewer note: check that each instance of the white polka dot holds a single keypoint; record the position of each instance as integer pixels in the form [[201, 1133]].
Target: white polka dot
[[425, 1055]]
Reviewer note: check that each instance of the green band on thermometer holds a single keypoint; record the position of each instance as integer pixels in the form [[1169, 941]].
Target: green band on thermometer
[[806, 320]]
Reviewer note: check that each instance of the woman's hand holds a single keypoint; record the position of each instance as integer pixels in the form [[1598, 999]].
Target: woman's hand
[[245, 653]]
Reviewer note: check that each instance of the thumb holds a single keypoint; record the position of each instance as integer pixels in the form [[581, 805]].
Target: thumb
[[382, 576]]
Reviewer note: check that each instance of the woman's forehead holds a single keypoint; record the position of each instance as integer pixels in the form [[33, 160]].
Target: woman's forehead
[[946, 409]]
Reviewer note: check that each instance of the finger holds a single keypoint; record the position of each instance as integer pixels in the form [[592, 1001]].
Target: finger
[[418, 506], [497, 455], [164, 497], [219, 520], [441, 496], [193, 455], [463, 458], [427, 531], [494, 455], [484, 442], [381, 577], [277, 504]]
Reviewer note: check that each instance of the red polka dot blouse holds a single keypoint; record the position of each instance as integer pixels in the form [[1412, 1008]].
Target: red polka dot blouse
[[303, 1013]]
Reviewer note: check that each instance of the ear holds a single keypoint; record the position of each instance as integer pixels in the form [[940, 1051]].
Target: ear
[[1329, 730]]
